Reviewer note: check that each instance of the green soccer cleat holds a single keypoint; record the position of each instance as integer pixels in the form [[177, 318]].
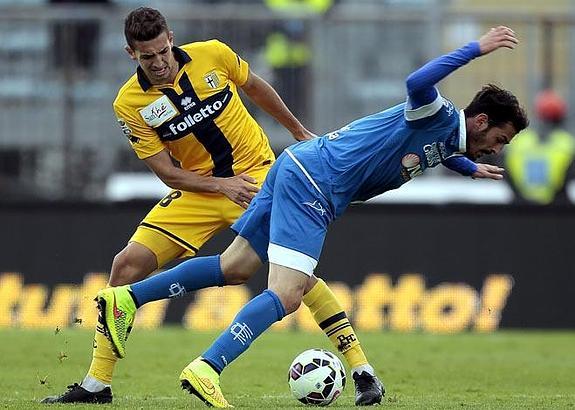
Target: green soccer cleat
[[200, 379], [117, 309]]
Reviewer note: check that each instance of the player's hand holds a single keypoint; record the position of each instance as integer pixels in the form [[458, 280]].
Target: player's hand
[[240, 188], [303, 135], [496, 38], [486, 171]]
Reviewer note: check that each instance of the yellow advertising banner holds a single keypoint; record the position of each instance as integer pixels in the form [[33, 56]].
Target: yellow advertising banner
[[378, 303]]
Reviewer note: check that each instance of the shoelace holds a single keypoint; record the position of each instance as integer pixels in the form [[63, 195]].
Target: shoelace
[[71, 388]]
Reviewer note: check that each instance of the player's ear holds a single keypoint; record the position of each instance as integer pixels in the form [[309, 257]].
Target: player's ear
[[171, 38], [481, 122], [130, 52]]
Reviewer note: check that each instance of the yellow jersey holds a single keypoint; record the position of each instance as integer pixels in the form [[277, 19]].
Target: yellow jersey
[[200, 118]]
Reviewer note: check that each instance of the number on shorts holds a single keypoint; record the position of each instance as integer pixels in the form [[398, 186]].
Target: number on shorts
[[170, 197]]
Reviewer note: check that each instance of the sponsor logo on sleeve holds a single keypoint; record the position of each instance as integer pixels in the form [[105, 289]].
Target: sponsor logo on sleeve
[[411, 166], [127, 131]]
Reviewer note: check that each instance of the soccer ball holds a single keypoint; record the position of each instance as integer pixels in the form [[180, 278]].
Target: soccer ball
[[316, 377]]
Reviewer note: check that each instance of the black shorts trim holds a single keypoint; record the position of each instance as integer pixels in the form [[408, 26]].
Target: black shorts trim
[[171, 235]]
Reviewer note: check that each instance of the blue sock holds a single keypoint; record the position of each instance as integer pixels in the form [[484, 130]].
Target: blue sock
[[193, 274], [251, 321]]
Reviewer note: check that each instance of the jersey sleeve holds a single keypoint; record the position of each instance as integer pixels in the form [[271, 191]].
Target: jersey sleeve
[[460, 164], [414, 113], [237, 68], [144, 141], [423, 98]]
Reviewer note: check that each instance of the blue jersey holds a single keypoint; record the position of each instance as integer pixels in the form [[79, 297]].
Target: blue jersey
[[382, 151], [313, 182]]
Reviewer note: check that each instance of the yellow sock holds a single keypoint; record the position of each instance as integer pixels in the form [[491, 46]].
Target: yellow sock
[[103, 358], [332, 319]]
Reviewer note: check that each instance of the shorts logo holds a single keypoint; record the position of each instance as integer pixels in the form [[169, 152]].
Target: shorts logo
[[212, 79], [158, 112], [317, 206]]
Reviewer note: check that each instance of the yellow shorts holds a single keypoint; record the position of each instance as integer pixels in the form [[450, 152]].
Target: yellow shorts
[[183, 221]]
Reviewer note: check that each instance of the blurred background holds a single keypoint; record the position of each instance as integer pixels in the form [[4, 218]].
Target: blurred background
[[62, 62], [72, 190]]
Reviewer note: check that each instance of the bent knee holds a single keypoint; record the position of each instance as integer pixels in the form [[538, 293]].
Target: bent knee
[[128, 268], [291, 304], [291, 300], [239, 262], [237, 276]]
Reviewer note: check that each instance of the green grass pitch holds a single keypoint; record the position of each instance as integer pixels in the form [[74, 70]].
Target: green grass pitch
[[506, 369]]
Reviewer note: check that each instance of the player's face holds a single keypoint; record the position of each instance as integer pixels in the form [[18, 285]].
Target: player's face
[[156, 58], [483, 139]]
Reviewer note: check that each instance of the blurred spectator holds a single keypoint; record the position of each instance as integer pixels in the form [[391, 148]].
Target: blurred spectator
[[76, 44], [539, 160], [299, 6], [288, 53]]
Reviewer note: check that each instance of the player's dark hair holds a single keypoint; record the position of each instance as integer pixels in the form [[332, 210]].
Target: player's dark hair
[[144, 24], [500, 106]]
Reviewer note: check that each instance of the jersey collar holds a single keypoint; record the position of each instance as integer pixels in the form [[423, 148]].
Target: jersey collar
[[181, 57], [462, 132]]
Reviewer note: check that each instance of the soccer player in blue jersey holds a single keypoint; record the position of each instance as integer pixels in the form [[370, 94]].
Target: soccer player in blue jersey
[[313, 182]]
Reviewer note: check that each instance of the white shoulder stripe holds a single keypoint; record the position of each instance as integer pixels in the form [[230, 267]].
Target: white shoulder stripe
[[423, 111]]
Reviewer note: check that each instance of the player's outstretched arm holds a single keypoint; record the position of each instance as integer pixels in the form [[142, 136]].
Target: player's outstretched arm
[[465, 166], [421, 83], [264, 95], [461, 165]]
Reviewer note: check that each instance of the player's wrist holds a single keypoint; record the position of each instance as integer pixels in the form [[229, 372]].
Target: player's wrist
[[298, 131], [215, 185]]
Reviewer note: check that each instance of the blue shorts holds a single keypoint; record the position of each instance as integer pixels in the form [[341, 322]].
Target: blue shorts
[[287, 221]]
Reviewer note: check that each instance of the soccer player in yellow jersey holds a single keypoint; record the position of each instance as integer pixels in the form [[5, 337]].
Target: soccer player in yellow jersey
[[184, 118]]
